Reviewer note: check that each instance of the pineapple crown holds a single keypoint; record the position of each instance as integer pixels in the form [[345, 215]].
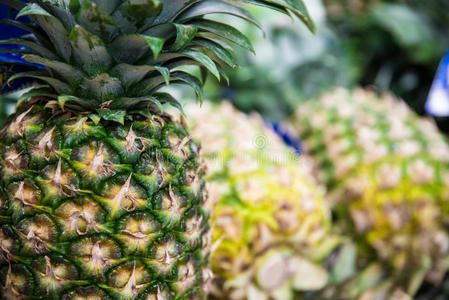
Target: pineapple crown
[[115, 55]]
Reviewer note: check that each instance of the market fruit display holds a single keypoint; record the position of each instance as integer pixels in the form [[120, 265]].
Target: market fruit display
[[102, 191], [387, 174], [271, 225]]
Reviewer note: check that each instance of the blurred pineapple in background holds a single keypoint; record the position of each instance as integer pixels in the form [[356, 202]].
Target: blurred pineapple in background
[[387, 174], [272, 226]]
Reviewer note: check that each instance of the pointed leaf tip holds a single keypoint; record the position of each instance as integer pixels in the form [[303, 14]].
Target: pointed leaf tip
[[203, 59], [165, 72], [156, 44], [32, 9]]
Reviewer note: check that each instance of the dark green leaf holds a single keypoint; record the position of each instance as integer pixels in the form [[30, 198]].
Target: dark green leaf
[[33, 9], [165, 72], [65, 99], [226, 32], [96, 20], [171, 9], [108, 6], [37, 32], [139, 10], [66, 71], [131, 74], [203, 59], [169, 99], [133, 103], [148, 85], [223, 74], [216, 49], [89, 51], [59, 10], [113, 115], [297, 7], [43, 92], [41, 50], [52, 26], [59, 86], [215, 7], [135, 45], [155, 44], [133, 15], [192, 81], [184, 35]]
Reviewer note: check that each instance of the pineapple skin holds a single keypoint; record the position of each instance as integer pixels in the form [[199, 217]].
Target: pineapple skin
[[101, 211], [271, 229], [387, 174]]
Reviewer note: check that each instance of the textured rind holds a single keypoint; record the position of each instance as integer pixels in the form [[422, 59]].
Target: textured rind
[[271, 224], [105, 210], [388, 172]]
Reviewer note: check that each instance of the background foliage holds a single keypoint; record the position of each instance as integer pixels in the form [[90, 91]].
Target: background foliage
[[391, 45]]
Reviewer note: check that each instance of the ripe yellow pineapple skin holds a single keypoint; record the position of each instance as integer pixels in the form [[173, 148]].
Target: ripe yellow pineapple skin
[[271, 228], [387, 174]]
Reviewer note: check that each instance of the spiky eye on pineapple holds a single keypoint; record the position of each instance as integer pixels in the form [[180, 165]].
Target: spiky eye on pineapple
[[102, 192]]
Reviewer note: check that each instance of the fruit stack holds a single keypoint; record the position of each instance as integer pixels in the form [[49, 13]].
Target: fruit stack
[[271, 225], [387, 174]]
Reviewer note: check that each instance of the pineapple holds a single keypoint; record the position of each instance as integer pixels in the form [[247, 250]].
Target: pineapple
[[271, 224], [387, 174], [102, 191]]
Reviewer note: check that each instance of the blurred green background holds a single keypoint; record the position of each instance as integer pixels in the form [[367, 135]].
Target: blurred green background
[[389, 45]]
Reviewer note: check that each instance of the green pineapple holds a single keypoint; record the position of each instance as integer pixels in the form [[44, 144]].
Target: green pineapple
[[102, 191], [271, 224], [387, 173]]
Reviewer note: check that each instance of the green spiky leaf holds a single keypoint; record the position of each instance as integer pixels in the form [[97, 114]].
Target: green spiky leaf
[[39, 49], [167, 98], [131, 74], [155, 44], [165, 72], [190, 80], [226, 32], [117, 48], [96, 20], [184, 35], [33, 9], [203, 59], [217, 50], [52, 26], [89, 51], [113, 115], [66, 71], [59, 86], [216, 7], [64, 99]]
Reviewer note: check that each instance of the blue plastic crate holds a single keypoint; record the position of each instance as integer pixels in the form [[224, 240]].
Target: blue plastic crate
[[10, 63], [438, 100]]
